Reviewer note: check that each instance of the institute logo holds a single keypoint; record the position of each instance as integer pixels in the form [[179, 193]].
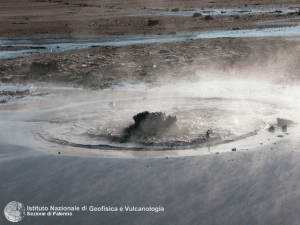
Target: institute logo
[[14, 211]]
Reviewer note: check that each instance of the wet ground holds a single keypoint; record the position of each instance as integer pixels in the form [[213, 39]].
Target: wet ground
[[18, 47], [259, 187], [61, 121], [223, 12], [249, 180], [102, 67], [44, 18]]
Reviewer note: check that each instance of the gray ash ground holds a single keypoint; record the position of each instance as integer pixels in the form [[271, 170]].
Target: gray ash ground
[[102, 67], [6, 96]]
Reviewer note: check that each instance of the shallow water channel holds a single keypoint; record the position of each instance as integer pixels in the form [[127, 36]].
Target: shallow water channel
[[65, 43]]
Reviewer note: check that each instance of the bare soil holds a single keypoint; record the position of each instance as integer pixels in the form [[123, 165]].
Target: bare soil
[[77, 17], [101, 67]]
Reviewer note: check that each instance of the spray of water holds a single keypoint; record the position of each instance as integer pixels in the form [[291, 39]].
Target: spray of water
[[212, 106]]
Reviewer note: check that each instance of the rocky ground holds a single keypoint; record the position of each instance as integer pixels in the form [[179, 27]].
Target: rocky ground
[[100, 67], [90, 17]]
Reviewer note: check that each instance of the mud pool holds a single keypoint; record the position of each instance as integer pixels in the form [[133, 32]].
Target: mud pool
[[237, 115]]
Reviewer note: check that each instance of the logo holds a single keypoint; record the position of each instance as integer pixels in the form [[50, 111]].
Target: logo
[[14, 211]]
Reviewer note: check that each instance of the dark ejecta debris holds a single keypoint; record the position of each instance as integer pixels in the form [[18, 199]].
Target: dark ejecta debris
[[152, 22], [37, 47], [175, 10], [158, 121], [148, 124], [282, 122], [284, 128], [44, 67], [208, 17], [271, 128], [208, 133], [197, 14]]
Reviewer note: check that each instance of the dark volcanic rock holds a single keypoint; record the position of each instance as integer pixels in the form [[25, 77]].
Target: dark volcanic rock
[[7, 79], [152, 22], [271, 128], [208, 17], [15, 93], [175, 10], [3, 68], [37, 47], [163, 51], [43, 68], [197, 14], [208, 133], [284, 128]]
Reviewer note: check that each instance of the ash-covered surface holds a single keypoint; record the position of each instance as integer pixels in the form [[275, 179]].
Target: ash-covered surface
[[103, 67], [78, 18]]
